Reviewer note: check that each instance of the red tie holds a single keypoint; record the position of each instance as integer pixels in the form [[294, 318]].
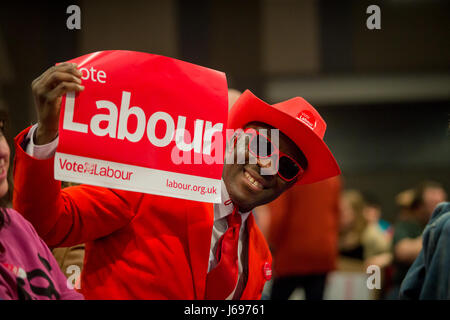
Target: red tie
[[221, 280]]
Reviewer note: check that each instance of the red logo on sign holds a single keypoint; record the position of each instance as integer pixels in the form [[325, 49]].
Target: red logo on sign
[[307, 118], [267, 271]]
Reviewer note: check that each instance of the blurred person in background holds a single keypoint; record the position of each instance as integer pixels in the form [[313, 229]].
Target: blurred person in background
[[233, 96], [351, 225], [404, 200], [377, 243], [377, 236], [407, 242], [27, 268], [302, 232], [429, 276], [70, 259]]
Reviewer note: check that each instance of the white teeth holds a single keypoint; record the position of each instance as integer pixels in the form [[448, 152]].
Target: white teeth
[[252, 180]]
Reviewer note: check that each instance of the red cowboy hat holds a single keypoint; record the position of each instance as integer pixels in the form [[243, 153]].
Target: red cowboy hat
[[298, 120]]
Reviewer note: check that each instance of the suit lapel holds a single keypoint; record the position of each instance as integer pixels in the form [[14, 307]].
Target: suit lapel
[[200, 220]]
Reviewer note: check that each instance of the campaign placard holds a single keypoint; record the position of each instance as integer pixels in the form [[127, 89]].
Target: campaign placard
[[145, 123]]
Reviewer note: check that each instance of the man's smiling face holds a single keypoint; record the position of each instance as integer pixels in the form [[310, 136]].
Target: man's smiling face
[[247, 186]]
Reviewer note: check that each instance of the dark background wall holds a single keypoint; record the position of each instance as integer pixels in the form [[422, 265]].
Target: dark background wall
[[384, 93]]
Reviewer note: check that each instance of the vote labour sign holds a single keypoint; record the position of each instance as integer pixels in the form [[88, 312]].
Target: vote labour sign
[[145, 123]]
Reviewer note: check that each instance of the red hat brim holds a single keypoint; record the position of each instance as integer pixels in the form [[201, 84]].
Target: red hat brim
[[321, 163]]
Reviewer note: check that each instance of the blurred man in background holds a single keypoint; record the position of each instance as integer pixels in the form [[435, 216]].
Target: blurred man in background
[[407, 242], [429, 276]]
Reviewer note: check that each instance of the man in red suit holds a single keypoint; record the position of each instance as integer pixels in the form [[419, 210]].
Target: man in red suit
[[141, 246]]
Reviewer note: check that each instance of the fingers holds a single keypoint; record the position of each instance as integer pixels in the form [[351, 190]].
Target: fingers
[[56, 81], [70, 68], [55, 73], [62, 88], [47, 91], [55, 78], [48, 78]]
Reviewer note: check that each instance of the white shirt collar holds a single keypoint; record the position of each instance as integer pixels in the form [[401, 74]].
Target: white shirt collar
[[226, 206]]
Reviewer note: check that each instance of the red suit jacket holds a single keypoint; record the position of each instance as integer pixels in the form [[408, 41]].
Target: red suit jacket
[[138, 246]]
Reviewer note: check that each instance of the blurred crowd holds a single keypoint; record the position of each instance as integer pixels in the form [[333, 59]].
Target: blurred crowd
[[325, 238]]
